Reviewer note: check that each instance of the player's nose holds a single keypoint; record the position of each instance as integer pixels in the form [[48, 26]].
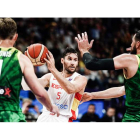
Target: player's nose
[[72, 64]]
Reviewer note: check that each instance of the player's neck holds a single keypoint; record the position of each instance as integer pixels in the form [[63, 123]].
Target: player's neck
[[6, 43], [65, 74]]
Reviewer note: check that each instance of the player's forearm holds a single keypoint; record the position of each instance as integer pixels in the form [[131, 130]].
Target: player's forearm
[[93, 63], [24, 84], [45, 101], [65, 84], [109, 93], [41, 94]]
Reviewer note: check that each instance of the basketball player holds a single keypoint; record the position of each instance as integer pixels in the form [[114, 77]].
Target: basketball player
[[13, 64], [65, 88], [130, 63]]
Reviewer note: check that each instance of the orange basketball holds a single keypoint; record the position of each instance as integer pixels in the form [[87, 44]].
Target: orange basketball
[[36, 53]]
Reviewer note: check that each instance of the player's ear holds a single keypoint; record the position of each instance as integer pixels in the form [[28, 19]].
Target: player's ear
[[15, 37], [62, 60]]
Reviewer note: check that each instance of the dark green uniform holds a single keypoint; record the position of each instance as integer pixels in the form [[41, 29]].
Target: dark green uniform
[[132, 89], [10, 85]]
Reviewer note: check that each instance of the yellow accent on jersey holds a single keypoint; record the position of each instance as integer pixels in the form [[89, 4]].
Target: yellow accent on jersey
[[75, 104]]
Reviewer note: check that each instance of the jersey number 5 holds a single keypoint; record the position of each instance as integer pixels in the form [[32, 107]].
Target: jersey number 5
[[1, 61], [58, 94]]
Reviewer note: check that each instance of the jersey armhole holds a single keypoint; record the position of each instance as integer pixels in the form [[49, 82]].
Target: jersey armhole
[[138, 60], [18, 54], [124, 75]]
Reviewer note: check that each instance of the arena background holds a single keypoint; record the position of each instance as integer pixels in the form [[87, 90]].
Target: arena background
[[112, 36]]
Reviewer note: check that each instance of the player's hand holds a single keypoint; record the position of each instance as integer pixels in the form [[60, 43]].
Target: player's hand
[[50, 61], [86, 97], [36, 109], [24, 107], [55, 110], [83, 44]]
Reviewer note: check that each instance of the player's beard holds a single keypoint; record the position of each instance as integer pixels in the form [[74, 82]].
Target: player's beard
[[134, 50], [68, 70]]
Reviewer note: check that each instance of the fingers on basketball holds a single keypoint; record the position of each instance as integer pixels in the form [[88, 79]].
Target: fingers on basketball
[[36, 53]]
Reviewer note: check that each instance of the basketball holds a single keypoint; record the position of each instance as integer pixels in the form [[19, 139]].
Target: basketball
[[36, 53]]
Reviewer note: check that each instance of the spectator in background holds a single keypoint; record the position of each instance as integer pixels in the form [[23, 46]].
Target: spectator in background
[[90, 116], [26, 105], [110, 115], [119, 104], [112, 79]]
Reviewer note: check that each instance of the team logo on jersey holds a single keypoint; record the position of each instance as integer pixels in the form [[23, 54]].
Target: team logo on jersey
[[5, 53], [4, 91], [61, 106]]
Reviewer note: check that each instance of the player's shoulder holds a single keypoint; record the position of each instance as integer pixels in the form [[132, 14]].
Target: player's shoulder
[[127, 57], [24, 58], [47, 76], [131, 57], [25, 61], [80, 77]]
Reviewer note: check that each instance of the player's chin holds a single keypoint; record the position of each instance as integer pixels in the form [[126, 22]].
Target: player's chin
[[71, 70]]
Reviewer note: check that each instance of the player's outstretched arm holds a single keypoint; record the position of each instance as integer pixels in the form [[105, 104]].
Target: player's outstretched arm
[[106, 94], [92, 63], [34, 85], [76, 86], [123, 61]]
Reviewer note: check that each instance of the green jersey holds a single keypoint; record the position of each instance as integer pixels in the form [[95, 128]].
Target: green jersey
[[132, 90], [10, 79]]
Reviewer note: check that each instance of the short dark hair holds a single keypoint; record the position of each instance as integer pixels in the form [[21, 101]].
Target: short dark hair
[[137, 36], [69, 50], [8, 28]]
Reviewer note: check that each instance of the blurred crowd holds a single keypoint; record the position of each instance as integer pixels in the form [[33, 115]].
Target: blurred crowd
[[111, 37], [110, 115]]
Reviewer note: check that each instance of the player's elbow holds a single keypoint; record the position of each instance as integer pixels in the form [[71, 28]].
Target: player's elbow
[[70, 91], [73, 90], [40, 95]]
